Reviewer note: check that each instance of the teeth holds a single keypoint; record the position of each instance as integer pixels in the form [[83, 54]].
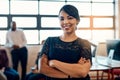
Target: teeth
[[66, 26]]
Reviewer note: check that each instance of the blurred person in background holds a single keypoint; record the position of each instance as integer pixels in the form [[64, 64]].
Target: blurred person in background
[[16, 41], [6, 71], [2, 75], [34, 73]]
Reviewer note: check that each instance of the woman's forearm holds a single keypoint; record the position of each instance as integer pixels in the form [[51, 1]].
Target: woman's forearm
[[74, 70], [52, 72], [45, 69]]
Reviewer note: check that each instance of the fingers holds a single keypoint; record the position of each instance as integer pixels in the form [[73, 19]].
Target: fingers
[[44, 58], [83, 60], [51, 63]]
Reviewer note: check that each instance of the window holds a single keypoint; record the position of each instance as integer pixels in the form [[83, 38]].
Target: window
[[50, 7], [32, 36], [25, 22], [50, 22], [103, 22], [3, 37], [40, 17], [84, 8], [3, 22], [49, 33], [4, 7], [24, 7], [84, 23], [102, 9]]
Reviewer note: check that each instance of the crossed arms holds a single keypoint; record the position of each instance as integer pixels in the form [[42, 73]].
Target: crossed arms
[[58, 69]]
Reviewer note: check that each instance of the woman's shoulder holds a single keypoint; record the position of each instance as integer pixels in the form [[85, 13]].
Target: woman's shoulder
[[53, 38], [83, 41]]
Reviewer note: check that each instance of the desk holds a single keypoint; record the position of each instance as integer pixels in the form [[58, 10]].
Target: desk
[[97, 67], [114, 64]]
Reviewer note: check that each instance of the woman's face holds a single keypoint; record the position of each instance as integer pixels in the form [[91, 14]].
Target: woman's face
[[67, 22]]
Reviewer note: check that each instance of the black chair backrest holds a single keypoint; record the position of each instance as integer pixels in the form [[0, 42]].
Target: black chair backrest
[[114, 44]]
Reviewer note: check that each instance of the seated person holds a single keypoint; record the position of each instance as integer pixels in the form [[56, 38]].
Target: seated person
[[10, 73], [2, 75], [34, 74]]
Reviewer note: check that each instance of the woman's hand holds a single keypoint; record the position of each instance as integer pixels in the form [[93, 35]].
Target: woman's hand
[[82, 60], [43, 63], [47, 68], [79, 69], [51, 63]]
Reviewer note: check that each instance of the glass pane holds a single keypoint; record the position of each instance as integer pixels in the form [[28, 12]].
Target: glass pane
[[85, 34], [102, 9], [84, 8], [24, 7], [79, 0], [103, 22], [4, 7], [3, 22], [47, 33], [84, 23], [3, 37], [31, 36], [101, 36], [50, 22], [50, 8], [102, 0], [25, 21]]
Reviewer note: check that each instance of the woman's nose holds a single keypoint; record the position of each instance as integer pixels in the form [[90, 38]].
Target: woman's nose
[[65, 21]]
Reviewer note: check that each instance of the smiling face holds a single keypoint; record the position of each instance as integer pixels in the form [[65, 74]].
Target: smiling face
[[68, 23]]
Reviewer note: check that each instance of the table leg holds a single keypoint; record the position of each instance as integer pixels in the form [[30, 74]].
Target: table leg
[[97, 75], [112, 74], [109, 74]]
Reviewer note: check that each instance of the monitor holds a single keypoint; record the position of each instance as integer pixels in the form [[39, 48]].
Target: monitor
[[114, 44]]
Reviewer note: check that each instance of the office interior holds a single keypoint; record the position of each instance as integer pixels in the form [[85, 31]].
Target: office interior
[[99, 21]]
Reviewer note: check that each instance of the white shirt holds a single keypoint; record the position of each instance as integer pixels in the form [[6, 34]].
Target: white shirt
[[15, 38]]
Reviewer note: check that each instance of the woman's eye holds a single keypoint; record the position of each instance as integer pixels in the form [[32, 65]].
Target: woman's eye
[[61, 19], [70, 17]]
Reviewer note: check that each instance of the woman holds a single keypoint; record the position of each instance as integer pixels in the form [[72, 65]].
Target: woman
[[10, 73], [66, 57]]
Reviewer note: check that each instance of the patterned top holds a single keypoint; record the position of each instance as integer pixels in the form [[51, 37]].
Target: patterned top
[[69, 52]]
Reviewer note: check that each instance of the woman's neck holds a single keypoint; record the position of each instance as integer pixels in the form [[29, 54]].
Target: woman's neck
[[68, 37]]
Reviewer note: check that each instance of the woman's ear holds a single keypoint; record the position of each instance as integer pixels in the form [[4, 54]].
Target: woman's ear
[[78, 22]]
